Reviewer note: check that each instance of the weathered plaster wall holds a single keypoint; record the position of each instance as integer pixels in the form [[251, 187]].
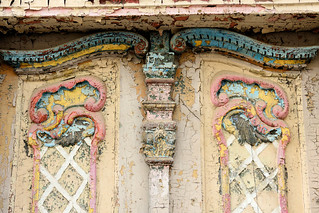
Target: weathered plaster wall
[[142, 5], [185, 180], [241, 20], [120, 3], [8, 94], [297, 192], [122, 172], [107, 69], [132, 170], [310, 86], [243, 16]]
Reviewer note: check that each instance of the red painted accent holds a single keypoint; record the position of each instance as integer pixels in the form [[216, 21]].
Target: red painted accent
[[232, 24], [156, 24], [99, 134], [181, 18], [140, 48], [226, 203]]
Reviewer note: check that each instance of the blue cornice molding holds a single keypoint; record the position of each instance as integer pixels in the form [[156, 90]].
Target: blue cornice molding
[[119, 42], [46, 60], [227, 42]]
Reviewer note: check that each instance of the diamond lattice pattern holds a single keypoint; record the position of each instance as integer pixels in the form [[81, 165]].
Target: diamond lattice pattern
[[64, 179], [253, 177]]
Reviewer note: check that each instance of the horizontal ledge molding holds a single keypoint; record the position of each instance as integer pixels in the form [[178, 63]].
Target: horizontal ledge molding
[[227, 42], [159, 161], [156, 105], [37, 61]]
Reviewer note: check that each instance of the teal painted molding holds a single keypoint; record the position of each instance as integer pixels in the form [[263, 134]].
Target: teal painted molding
[[116, 41], [159, 61], [227, 42]]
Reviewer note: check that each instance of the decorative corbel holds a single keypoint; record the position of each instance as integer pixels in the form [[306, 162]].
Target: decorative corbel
[[159, 127], [243, 47]]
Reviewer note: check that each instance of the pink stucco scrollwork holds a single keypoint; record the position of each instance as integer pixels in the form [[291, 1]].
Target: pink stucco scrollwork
[[40, 115], [233, 93], [57, 112], [222, 98]]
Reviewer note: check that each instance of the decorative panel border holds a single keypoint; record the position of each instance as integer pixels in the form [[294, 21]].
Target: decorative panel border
[[231, 43], [235, 94], [37, 61], [58, 112]]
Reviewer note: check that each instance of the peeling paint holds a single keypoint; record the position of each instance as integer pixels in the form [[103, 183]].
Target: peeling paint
[[159, 128], [310, 84], [235, 44], [45, 59], [185, 179], [56, 112], [8, 91], [235, 102]]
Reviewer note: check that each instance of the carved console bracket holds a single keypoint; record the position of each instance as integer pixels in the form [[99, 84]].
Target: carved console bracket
[[65, 55], [66, 114], [159, 127], [253, 110], [231, 43]]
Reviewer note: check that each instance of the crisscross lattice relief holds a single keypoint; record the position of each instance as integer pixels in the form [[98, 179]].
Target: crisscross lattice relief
[[253, 180], [66, 179], [64, 115], [252, 166]]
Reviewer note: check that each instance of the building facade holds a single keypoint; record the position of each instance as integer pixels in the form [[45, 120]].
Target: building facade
[[159, 106]]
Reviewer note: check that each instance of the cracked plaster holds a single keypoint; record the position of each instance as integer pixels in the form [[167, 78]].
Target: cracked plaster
[[8, 93], [186, 173], [195, 168], [263, 17], [133, 171], [297, 188], [310, 84], [106, 70]]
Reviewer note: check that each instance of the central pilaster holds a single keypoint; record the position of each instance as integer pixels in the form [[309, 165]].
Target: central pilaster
[[159, 127]]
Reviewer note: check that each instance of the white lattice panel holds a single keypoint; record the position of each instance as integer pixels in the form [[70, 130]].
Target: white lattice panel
[[253, 176], [64, 179]]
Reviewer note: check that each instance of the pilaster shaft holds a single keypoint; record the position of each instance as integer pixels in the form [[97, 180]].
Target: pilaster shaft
[[159, 188], [159, 127]]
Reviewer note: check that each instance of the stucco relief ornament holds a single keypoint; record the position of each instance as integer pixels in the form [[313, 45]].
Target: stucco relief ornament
[[243, 47], [159, 143], [74, 52], [253, 110], [66, 114], [159, 128]]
